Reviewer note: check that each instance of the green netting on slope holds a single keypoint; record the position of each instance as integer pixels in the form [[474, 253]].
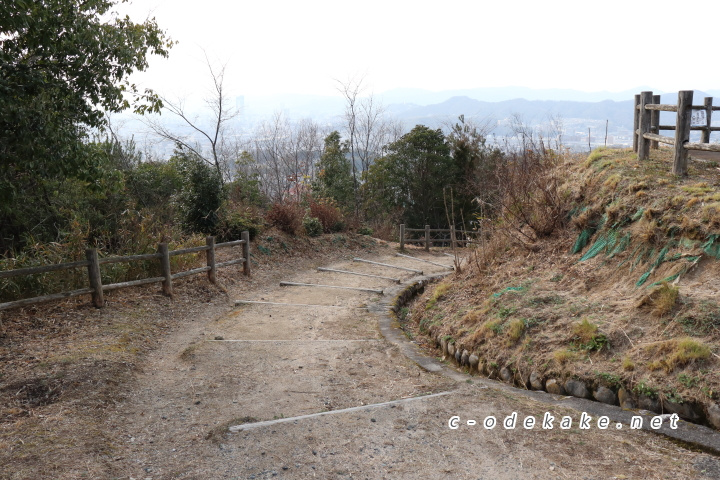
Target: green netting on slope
[[587, 233], [638, 214], [509, 289], [622, 245], [712, 246], [630, 257], [677, 256], [605, 242], [660, 259], [583, 239], [642, 256], [691, 262], [687, 243]]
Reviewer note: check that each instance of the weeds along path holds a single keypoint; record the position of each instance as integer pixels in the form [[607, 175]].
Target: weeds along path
[[197, 408]]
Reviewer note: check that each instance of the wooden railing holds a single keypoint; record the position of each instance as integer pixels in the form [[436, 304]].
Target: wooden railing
[[93, 262], [647, 126], [427, 239]]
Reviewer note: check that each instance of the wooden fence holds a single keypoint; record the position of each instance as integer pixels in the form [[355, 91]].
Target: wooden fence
[[427, 239], [647, 128], [93, 262]]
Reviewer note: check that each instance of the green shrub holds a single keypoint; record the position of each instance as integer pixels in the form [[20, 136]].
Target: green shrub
[[313, 227], [202, 194], [235, 219], [586, 337]]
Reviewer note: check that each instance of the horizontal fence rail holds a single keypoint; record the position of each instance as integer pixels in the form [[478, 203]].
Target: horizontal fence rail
[[428, 240], [647, 128], [93, 262]]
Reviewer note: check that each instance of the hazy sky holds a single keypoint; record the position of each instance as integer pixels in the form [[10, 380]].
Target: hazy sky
[[302, 46]]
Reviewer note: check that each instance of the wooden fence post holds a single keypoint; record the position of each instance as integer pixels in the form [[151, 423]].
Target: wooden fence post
[[427, 238], [644, 143], [94, 277], [402, 236], [245, 237], [164, 251], [210, 255], [655, 122], [636, 122], [682, 131], [705, 138]]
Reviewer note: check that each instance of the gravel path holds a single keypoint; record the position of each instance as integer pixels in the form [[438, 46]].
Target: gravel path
[[196, 410]]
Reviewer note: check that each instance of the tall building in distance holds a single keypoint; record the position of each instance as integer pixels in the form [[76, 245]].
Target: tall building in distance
[[240, 104]]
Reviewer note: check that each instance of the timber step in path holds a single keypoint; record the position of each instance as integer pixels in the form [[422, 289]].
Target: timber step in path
[[362, 408], [360, 289], [426, 261], [347, 272], [419, 272], [257, 302]]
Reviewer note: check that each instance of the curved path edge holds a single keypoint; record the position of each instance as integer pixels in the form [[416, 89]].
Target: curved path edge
[[691, 435]]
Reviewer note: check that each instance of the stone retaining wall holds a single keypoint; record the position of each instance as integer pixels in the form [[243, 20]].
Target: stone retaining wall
[[696, 412]]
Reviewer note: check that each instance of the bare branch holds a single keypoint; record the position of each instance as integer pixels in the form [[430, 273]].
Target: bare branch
[[219, 156]]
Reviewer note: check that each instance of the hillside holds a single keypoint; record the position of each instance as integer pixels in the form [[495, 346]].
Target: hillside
[[535, 110], [623, 295]]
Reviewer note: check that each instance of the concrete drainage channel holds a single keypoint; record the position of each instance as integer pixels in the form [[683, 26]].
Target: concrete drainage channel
[[573, 394]]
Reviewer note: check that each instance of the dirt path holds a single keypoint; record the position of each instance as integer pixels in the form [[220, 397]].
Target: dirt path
[[271, 363]]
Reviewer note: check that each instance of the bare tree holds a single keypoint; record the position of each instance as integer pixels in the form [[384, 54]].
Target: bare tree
[[350, 90], [285, 155], [367, 128], [374, 131], [304, 149], [219, 151], [267, 147]]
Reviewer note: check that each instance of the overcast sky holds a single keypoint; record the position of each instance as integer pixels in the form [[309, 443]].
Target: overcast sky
[[302, 46]]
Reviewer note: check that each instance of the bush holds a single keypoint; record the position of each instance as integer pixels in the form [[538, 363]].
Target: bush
[[313, 227], [328, 214], [529, 194], [140, 233], [202, 193], [285, 216], [235, 219]]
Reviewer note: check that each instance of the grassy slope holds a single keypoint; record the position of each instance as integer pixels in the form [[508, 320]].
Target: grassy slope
[[625, 295]]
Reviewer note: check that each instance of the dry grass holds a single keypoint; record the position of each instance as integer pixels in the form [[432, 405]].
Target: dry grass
[[647, 231], [563, 357], [584, 331], [697, 189], [612, 181], [438, 293], [597, 318], [661, 300], [474, 316], [711, 215], [190, 352], [677, 353], [627, 364], [515, 330]]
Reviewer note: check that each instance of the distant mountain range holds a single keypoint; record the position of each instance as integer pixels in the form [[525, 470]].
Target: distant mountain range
[[499, 94], [530, 111], [416, 106]]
